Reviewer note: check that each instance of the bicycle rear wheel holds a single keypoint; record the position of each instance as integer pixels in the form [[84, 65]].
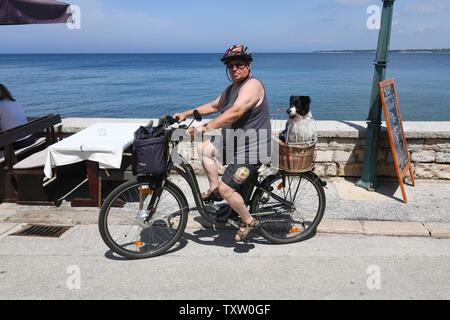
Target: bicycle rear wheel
[[279, 224], [131, 229]]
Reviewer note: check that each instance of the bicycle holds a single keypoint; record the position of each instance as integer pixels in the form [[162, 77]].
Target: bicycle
[[138, 220]]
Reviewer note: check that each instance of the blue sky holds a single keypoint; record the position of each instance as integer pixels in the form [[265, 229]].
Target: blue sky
[[211, 26]]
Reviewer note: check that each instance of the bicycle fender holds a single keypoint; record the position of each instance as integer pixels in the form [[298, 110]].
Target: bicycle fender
[[322, 182]]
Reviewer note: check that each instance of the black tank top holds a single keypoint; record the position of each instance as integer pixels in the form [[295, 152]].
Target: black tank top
[[251, 133]]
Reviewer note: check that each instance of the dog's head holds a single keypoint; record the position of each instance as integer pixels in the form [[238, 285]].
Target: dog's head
[[299, 105]]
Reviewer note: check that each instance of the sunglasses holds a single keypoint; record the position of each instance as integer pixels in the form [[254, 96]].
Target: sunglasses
[[238, 65]]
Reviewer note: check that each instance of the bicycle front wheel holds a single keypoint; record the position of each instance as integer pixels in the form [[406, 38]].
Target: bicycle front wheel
[[282, 224], [129, 226]]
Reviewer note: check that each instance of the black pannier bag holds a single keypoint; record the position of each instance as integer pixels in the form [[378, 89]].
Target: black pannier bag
[[149, 151]]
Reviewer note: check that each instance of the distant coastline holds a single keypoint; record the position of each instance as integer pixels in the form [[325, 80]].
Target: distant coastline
[[392, 51]]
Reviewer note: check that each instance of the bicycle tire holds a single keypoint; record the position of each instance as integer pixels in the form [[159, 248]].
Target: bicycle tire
[[123, 214], [283, 226]]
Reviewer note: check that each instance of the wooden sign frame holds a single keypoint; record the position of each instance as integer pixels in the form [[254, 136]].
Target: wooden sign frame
[[401, 172]]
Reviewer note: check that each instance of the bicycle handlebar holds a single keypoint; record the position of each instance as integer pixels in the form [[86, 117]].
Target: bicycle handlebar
[[169, 120], [173, 120]]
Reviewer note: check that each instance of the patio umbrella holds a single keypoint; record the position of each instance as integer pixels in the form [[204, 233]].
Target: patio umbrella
[[33, 12]]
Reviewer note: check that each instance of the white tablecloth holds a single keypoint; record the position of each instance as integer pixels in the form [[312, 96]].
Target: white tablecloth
[[101, 142]]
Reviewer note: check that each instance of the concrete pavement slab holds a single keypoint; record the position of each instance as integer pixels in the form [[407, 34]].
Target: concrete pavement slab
[[347, 190], [6, 212], [438, 230], [394, 228], [340, 226], [7, 228], [208, 264], [349, 209], [428, 201]]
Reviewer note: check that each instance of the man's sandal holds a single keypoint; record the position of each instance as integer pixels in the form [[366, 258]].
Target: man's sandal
[[212, 195], [242, 235]]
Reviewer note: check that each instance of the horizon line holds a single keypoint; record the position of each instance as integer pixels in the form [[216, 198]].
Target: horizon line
[[254, 52], [287, 52]]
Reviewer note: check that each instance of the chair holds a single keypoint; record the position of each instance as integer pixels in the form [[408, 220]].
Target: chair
[[21, 171]]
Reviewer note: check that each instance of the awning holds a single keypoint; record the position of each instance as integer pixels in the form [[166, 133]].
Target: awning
[[34, 12]]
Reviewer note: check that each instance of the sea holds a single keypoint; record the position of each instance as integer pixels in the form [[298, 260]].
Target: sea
[[148, 85]]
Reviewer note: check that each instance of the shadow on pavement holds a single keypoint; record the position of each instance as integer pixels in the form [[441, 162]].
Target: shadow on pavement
[[222, 238], [389, 188], [225, 238], [177, 246]]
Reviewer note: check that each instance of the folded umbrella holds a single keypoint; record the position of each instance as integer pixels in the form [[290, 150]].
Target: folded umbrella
[[34, 12]]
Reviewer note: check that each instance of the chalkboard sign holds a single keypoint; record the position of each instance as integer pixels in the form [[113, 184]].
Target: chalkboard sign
[[395, 131]]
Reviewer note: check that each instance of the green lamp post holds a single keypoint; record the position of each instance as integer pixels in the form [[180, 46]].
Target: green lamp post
[[368, 177]]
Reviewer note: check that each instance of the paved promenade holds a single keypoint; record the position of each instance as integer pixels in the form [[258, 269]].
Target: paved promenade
[[369, 246], [349, 210]]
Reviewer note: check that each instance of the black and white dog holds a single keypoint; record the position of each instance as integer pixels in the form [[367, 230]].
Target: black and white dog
[[300, 127]]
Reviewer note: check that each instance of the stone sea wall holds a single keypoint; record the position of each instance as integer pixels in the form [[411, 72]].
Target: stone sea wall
[[340, 148]]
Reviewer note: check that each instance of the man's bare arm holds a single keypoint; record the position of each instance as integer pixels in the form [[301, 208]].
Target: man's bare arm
[[250, 96]]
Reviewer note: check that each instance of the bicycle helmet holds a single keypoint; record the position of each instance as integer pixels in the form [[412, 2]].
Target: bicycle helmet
[[237, 51]]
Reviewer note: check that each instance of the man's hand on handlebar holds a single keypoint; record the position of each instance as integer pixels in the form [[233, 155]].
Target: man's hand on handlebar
[[181, 116]]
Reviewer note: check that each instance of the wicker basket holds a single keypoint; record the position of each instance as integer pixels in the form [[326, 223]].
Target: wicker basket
[[295, 157]]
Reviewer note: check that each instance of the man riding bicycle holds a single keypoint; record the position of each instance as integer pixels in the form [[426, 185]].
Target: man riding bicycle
[[244, 112]]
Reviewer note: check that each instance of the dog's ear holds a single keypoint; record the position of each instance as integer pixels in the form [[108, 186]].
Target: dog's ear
[[306, 100], [294, 100]]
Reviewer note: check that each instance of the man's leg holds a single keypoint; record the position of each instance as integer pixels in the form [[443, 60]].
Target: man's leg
[[233, 178], [206, 151], [235, 201]]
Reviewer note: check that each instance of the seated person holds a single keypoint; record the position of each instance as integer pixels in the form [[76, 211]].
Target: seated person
[[12, 115]]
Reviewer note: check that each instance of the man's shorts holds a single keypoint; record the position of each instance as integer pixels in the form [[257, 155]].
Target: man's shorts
[[236, 174]]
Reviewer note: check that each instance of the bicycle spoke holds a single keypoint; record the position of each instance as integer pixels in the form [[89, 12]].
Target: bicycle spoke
[[134, 229], [293, 222], [296, 190]]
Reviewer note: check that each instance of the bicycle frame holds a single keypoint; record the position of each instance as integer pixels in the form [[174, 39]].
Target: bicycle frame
[[187, 172]]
